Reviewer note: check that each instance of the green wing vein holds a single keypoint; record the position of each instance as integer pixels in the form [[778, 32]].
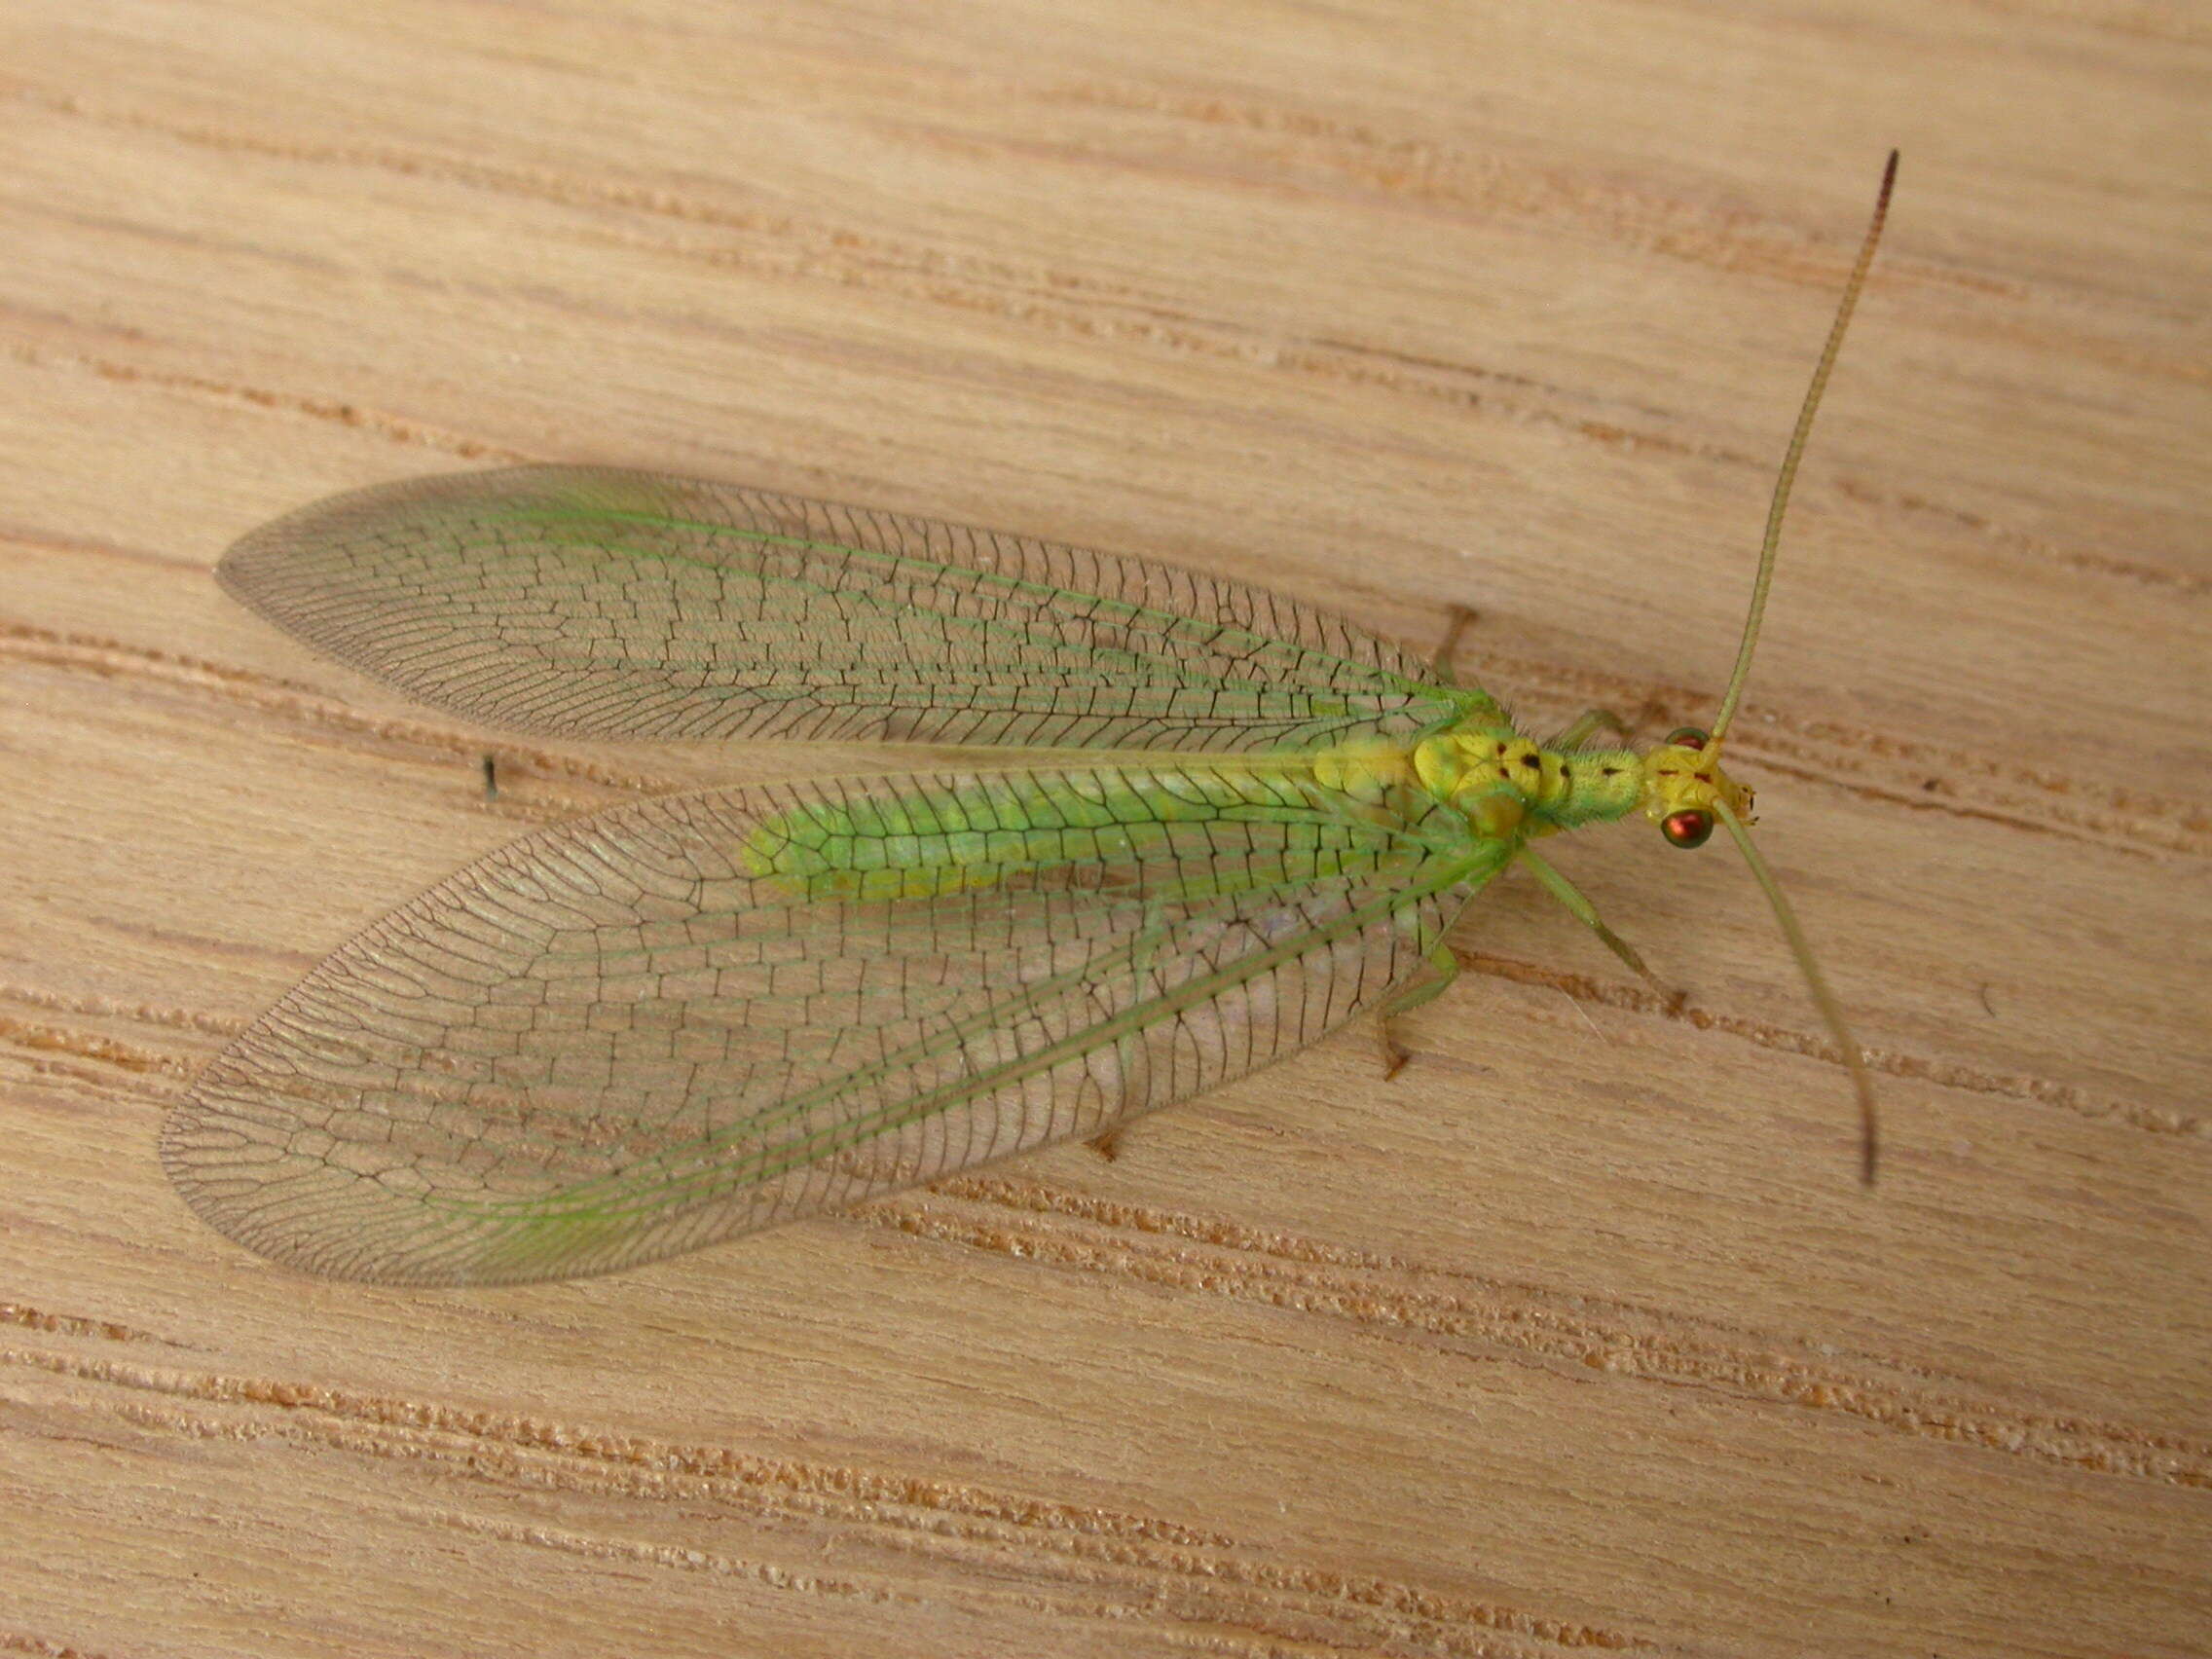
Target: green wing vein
[[694, 1015], [592, 601]]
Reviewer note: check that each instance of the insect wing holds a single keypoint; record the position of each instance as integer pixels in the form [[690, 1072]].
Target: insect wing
[[693, 1015], [585, 602]]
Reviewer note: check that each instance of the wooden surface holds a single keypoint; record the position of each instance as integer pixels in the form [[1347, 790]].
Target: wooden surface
[[1577, 1335]]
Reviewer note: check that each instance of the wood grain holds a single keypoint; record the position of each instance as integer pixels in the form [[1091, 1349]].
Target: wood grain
[[1577, 1335]]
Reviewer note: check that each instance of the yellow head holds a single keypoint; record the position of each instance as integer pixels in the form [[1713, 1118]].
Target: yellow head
[[1682, 780]]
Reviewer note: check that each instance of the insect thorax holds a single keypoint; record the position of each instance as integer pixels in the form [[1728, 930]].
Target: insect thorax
[[1505, 785], [1504, 782]]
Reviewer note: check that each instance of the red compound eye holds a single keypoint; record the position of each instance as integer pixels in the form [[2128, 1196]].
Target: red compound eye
[[1691, 828], [1689, 737]]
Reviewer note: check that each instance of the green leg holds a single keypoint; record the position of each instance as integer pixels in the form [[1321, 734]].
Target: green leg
[[1585, 912], [1442, 666], [1427, 988], [1589, 722]]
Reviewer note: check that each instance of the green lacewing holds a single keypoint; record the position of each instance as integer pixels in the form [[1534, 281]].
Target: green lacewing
[[687, 1018]]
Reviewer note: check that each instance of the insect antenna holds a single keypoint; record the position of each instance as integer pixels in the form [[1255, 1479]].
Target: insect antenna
[[1831, 1010], [1861, 1081], [1788, 475]]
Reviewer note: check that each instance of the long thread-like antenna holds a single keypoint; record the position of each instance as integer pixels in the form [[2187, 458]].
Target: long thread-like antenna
[[1790, 459], [1831, 1010]]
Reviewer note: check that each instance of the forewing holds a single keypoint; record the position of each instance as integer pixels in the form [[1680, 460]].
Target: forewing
[[694, 1015], [587, 602]]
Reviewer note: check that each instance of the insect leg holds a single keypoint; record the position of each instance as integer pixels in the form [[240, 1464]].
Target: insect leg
[[1424, 989], [1585, 912], [1593, 720], [1108, 1142], [1587, 724], [1461, 618]]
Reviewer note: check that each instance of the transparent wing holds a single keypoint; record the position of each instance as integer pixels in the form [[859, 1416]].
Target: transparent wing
[[586, 602], [694, 1015]]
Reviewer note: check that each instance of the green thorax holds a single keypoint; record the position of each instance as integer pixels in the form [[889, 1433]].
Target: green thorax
[[1509, 787]]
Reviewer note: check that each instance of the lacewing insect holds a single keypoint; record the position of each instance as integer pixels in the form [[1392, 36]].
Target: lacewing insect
[[672, 1023]]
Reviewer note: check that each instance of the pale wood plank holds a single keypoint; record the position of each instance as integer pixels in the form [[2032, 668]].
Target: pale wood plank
[[1577, 1334]]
